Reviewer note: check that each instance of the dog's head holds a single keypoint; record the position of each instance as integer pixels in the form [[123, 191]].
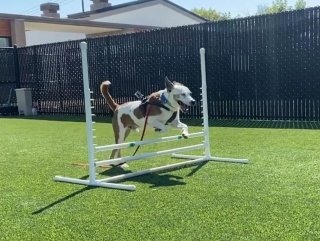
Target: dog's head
[[179, 95]]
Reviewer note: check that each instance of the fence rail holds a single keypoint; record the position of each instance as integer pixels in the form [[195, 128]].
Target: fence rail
[[263, 67]]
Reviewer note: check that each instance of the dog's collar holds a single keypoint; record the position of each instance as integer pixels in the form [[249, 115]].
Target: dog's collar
[[163, 98]]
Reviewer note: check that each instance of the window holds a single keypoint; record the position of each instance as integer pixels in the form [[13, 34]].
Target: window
[[5, 42]]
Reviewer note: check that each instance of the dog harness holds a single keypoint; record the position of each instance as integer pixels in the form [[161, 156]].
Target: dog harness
[[145, 101]]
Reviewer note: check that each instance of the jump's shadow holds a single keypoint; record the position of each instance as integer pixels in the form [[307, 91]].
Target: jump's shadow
[[158, 179], [154, 179], [256, 124], [64, 198], [197, 168], [62, 118]]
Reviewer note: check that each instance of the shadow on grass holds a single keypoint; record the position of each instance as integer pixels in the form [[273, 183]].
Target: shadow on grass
[[67, 118], [267, 124], [155, 179], [64, 198], [190, 122], [202, 164]]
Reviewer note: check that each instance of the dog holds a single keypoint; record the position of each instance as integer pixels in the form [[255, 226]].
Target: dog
[[163, 107]]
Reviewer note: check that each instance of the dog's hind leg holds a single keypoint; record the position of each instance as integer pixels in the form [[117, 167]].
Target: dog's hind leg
[[119, 133], [126, 134], [123, 134]]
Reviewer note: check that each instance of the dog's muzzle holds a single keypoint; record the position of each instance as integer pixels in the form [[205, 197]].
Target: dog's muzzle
[[183, 107]]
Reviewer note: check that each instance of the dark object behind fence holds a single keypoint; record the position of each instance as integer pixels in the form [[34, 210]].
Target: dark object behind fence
[[8, 75], [9, 81], [263, 67]]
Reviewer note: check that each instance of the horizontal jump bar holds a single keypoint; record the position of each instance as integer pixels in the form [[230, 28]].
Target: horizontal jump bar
[[147, 155], [212, 158], [96, 183], [148, 171], [146, 142]]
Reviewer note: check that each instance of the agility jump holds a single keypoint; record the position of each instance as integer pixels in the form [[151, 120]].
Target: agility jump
[[92, 149]]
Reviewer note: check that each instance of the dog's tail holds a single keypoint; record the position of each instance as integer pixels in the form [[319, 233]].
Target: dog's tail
[[104, 88]]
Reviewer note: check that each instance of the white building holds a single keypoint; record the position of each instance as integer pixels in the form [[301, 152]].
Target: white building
[[102, 19]]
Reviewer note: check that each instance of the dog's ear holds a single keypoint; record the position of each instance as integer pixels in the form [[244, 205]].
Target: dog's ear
[[169, 84]]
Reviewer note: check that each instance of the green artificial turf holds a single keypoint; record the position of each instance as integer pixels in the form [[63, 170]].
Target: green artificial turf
[[274, 197]]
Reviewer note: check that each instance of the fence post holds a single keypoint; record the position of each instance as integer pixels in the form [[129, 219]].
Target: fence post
[[16, 66]]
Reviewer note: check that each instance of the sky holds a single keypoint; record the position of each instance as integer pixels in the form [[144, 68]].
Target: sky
[[235, 7]]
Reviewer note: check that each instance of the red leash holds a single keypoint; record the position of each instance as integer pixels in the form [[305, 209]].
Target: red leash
[[144, 129]]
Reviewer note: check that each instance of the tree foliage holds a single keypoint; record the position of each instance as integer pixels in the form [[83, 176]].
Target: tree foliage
[[211, 14], [300, 4], [276, 7]]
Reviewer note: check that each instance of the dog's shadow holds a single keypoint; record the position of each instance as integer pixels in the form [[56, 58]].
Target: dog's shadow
[[159, 179], [156, 179]]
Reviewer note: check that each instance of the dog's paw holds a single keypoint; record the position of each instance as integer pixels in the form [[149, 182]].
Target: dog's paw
[[161, 131], [136, 130], [124, 165], [185, 135]]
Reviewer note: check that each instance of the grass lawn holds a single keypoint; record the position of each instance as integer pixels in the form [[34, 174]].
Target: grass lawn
[[274, 197]]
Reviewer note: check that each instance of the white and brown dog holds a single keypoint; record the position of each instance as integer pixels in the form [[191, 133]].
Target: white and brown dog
[[163, 106]]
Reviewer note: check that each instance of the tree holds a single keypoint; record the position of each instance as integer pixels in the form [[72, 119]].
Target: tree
[[211, 14], [300, 4], [278, 6]]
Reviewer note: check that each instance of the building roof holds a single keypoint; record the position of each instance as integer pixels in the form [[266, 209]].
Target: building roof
[[71, 25], [135, 3]]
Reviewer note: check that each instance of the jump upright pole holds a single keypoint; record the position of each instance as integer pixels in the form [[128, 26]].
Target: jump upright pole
[[89, 123], [205, 117]]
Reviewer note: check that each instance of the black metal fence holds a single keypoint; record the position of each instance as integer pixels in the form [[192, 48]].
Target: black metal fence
[[264, 67]]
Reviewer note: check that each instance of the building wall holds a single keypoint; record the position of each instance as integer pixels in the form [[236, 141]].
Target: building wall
[[157, 15], [5, 33], [5, 28], [18, 36], [45, 37]]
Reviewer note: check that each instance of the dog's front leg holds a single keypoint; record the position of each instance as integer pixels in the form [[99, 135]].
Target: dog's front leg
[[177, 124], [159, 127]]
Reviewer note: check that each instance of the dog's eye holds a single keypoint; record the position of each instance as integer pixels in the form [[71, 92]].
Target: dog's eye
[[183, 95]]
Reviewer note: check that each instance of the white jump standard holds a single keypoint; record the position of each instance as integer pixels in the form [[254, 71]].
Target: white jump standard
[[92, 149]]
